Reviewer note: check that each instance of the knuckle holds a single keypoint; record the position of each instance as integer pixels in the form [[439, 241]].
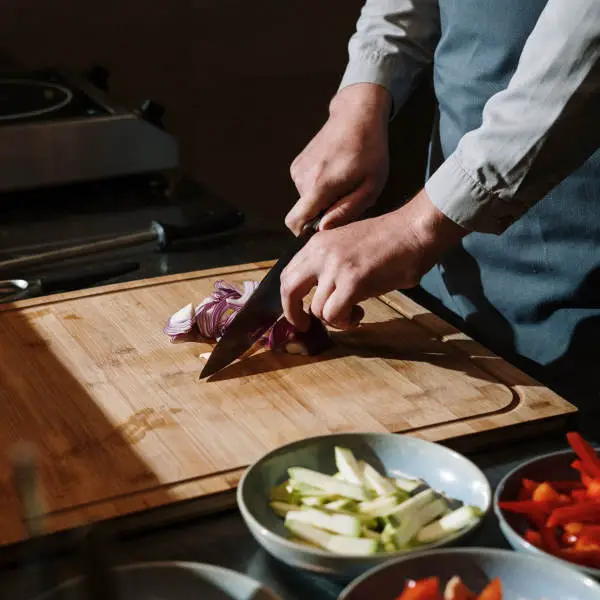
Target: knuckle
[[287, 284], [318, 245], [320, 175], [290, 222], [316, 310]]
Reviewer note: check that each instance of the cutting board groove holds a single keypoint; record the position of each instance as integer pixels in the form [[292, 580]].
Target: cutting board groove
[[123, 424]]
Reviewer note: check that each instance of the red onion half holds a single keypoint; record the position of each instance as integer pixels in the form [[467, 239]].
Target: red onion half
[[216, 312]]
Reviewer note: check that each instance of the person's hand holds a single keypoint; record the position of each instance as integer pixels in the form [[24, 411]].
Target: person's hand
[[345, 166], [365, 259]]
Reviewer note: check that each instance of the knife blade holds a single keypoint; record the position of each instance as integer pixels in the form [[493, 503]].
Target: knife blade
[[259, 313]]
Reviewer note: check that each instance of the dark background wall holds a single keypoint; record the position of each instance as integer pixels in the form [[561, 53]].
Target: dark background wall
[[245, 84]]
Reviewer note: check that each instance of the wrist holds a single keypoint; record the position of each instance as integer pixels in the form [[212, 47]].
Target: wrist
[[368, 101], [430, 226]]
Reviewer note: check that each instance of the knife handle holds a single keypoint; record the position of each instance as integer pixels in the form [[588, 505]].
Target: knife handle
[[312, 226]]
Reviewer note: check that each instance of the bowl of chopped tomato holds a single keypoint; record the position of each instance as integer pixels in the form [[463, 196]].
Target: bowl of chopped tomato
[[472, 574], [551, 505]]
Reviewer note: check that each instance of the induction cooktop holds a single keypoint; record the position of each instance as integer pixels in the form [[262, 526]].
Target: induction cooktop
[[57, 127]]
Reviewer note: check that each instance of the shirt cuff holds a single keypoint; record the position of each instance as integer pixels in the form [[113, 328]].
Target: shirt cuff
[[464, 200], [381, 69]]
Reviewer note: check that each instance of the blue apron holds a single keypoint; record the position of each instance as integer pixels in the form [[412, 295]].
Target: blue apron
[[532, 294]]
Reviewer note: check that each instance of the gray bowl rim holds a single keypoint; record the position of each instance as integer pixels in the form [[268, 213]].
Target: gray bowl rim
[[533, 550], [169, 564], [471, 551], [247, 514]]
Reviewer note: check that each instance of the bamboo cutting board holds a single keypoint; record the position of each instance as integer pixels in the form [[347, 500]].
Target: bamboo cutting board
[[123, 423]]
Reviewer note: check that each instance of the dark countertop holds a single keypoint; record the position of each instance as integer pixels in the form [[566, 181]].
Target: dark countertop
[[29, 226], [42, 221]]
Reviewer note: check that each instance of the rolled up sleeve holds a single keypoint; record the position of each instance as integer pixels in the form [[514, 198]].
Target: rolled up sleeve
[[535, 132], [394, 40]]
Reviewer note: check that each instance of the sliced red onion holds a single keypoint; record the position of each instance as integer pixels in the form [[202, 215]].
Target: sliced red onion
[[285, 337], [249, 287], [216, 312], [181, 323]]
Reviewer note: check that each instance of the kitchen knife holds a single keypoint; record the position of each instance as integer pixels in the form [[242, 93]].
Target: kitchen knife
[[259, 313], [163, 234]]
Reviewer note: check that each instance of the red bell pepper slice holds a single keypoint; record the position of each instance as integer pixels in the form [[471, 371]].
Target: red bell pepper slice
[[457, 590], [493, 591], [584, 512], [590, 529], [578, 466], [590, 534], [569, 539], [593, 489], [529, 484], [530, 507], [579, 495], [567, 486], [424, 589], [534, 538], [573, 527], [589, 459], [549, 540], [586, 542], [545, 493]]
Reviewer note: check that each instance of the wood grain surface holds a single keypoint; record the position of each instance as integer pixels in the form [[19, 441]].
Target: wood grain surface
[[122, 422]]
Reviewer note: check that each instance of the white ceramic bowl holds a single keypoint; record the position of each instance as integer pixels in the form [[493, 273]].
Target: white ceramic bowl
[[173, 580], [522, 577], [443, 469], [551, 466]]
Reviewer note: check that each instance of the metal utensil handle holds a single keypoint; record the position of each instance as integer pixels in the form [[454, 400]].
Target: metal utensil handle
[[161, 233], [124, 241]]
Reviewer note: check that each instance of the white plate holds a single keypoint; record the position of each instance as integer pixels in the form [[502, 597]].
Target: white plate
[[173, 581]]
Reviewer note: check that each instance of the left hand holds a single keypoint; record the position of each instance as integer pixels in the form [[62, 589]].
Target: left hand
[[365, 259]]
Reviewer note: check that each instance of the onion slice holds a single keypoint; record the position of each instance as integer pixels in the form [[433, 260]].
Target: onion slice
[[181, 323], [214, 314]]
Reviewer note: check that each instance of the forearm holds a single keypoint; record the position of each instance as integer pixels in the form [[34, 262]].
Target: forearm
[[394, 39], [533, 133]]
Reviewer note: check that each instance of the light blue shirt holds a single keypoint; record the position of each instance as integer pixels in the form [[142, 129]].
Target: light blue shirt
[[488, 181]]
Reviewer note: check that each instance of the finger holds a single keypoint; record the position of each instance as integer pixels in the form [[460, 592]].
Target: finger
[[340, 311], [347, 209], [307, 208], [296, 283], [311, 203], [324, 289]]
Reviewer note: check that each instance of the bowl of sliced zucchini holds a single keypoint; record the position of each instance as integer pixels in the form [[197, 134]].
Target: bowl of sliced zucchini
[[341, 504]]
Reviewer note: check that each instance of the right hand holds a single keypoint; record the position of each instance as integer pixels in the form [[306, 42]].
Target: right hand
[[345, 166]]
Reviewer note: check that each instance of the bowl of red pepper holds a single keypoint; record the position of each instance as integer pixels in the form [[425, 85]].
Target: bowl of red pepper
[[472, 574], [550, 505]]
